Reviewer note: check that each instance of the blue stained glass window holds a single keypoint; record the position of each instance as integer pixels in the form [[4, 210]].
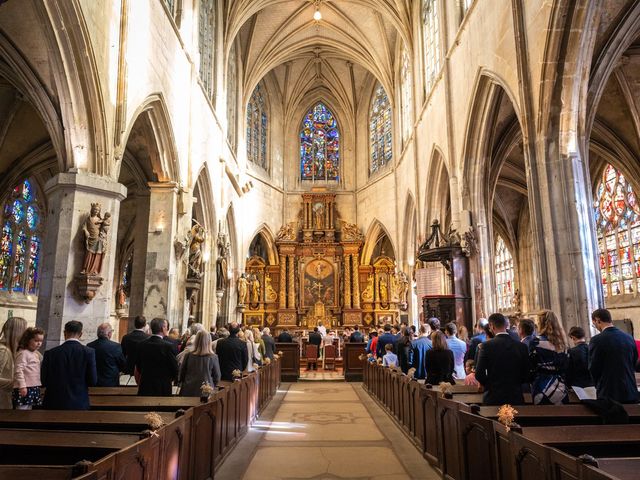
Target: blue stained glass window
[[6, 249], [380, 139], [320, 145], [20, 247]]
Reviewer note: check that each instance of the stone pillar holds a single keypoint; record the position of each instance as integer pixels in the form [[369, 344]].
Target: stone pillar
[[291, 283], [347, 281], [356, 281], [283, 281], [139, 266], [161, 296], [70, 196]]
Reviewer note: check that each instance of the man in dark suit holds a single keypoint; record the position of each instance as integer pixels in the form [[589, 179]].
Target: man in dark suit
[[285, 337], [315, 338], [386, 337], [502, 366], [156, 362], [356, 336], [68, 371], [578, 368], [269, 343], [612, 358], [232, 353], [109, 358], [131, 341]]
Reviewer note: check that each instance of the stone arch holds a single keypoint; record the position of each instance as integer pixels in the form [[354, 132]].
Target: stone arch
[[269, 240], [375, 233], [437, 198], [410, 231]]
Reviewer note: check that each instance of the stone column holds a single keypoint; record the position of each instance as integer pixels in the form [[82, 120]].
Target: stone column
[[283, 281], [161, 296], [347, 281], [70, 196], [356, 281], [291, 283]]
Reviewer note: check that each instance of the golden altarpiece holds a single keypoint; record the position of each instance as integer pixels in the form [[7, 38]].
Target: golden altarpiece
[[318, 277]]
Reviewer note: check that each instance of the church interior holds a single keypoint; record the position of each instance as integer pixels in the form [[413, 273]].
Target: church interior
[[294, 164]]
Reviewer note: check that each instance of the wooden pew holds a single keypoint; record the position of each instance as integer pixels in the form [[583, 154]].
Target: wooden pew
[[130, 390], [135, 403]]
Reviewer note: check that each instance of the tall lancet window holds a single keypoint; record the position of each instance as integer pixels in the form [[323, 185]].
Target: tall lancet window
[[257, 129], [232, 92], [504, 275], [20, 244], [617, 219], [380, 139], [431, 32], [206, 42], [319, 145], [406, 85]]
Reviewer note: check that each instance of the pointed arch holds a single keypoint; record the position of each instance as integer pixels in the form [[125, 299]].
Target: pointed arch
[[410, 230], [269, 239], [375, 233], [153, 116], [438, 197]]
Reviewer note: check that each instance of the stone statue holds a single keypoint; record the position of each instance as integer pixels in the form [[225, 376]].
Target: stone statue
[[255, 290], [394, 287], [243, 289], [403, 284], [287, 232], [221, 262], [350, 231], [384, 289], [121, 297], [95, 229], [367, 294], [269, 291], [195, 251]]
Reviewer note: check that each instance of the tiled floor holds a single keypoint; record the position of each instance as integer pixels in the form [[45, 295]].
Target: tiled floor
[[324, 430], [321, 375]]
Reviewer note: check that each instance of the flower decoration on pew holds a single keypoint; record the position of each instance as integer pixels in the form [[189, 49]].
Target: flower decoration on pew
[[275, 356], [379, 361], [411, 373], [267, 361], [206, 391], [280, 353], [506, 415], [237, 375], [256, 366], [361, 357], [154, 421], [446, 389]]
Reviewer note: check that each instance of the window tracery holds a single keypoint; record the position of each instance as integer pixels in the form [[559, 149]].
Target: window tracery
[[206, 42], [20, 244], [380, 137], [320, 145], [257, 122], [617, 220], [431, 32], [505, 274], [232, 72]]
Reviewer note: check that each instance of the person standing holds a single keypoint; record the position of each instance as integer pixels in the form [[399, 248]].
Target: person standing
[[549, 360], [269, 343], [12, 331], [199, 367], [232, 353], [131, 341], [110, 360], [612, 358], [156, 362], [420, 347], [315, 338], [404, 349], [285, 337], [502, 366], [68, 371], [578, 369], [439, 361], [526, 331], [458, 347], [26, 385], [386, 337], [356, 336]]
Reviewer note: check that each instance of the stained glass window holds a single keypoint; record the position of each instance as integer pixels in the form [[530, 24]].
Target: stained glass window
[[206, 40], [320, 145], [257, 129], [431, 32], [617, 219], [380, 138], [406, 87], [504, 275], [232, 72], [20, 245]]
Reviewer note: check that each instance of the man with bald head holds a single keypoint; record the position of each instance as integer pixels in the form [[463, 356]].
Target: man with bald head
[[110, 360]]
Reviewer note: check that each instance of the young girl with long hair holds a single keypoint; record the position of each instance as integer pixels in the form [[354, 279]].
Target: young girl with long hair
[[26, 383]]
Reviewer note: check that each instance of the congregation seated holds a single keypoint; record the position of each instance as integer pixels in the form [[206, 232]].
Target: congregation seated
[[110, 360], [156, 362]]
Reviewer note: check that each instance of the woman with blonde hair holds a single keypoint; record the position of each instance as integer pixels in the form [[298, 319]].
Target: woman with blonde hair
[[257, 338], [199, 366], [252, 350], [438, 361], [12, 331], [549, 361]]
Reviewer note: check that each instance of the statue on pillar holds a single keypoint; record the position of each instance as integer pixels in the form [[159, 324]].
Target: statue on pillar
[[367, 294], [384, 289], [243, 289], [195, 251], [95, 229], [255, 289], [319, 216], [221, 262]]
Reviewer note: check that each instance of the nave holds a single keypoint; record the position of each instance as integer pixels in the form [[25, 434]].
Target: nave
[[325, 430]]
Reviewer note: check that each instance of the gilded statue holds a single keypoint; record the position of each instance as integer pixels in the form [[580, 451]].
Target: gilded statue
[[195, 251], [269, 291], [350, 231], [403, 287], [255, 289], [243, 289], [367, 293], [384, 289], [287, 232], [395, 287], [319, 216], [95, 229]]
